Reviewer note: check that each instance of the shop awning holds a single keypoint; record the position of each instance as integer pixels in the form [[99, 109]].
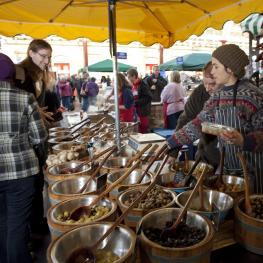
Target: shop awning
[[253, 24], [189, 62], [148, 22], [106, 66]]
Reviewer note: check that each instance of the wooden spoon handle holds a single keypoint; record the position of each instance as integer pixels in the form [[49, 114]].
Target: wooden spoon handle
[[150, 154], [71, 127], [248, 206], [189, 200], [138, 155], [93, 175], [221, 167], [98, 123], [161, 150], [113, 185], [132, 205]]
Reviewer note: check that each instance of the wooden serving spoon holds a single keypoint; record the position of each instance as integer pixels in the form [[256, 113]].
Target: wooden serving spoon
[[110, 150], [138, 155], [126, 212], [248, 206], [171, 230], [161, 150], [220, 181], [86, 210]]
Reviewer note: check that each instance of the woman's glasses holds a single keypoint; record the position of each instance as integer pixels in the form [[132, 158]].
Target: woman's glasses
[[44, 56]]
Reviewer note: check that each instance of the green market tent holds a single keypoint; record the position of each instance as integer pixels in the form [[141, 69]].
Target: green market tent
[[106, 66], [189, 62]]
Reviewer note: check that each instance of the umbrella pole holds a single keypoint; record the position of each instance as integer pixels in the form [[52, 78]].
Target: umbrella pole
[[113, 51], [116, 103]]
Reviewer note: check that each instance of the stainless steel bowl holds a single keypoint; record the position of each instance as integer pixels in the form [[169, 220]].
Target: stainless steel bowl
[[121, 242], [72, 186], [129, 182], [57, 140], [131, 179], [72, 204], [58, 129], [68, 188], [198, 170], [228, 179], [126, 151], [56, 169], [167, 178], [131, 126], [222, 201], [114, 163], [199, 252], [64, 146], [60, 134]]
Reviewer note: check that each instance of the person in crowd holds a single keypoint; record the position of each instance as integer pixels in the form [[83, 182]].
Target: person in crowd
[[239, 105], [207, 146], [32, 76], [65, 92], [21, 129], [142, 98], [172, 98], [126, 100], [92, 89], [103, 82], [108, 79], [156, 83], [52, 100], [83, 93]]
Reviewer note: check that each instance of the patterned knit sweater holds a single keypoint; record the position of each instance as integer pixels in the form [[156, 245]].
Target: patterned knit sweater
[[249, 103]]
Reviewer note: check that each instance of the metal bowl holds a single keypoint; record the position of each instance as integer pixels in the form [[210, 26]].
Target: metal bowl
[[198, 170], [69, 188], [64, 146], [60, 134], [54, 172], [126, 151], [129, 182], [136, 214], [58, 129], [233, 180], [131, 126], [168, 178], [121, 242], [115, 163], [222, 201], [72, 204], [57, 140], [56, 169], [199, 252]]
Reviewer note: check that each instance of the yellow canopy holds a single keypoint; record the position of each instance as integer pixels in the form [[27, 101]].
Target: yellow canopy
[[146, 21]]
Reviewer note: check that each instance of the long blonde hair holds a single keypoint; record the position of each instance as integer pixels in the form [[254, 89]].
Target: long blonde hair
[[175, 77]]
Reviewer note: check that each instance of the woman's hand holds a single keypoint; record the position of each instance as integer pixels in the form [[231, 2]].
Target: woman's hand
[[233, 137], [46, 115]]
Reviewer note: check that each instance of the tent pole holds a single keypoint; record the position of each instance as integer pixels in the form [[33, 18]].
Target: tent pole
[[113, 51]]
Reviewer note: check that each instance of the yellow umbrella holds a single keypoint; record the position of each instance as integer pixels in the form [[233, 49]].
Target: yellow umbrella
[[148, 22]]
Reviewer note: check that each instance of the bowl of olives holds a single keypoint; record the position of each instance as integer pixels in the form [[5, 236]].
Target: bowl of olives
[[73, 246], [248, 227], [192, 238], [155, 199]]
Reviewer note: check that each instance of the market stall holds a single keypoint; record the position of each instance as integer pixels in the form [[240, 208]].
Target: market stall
[[76, 223]]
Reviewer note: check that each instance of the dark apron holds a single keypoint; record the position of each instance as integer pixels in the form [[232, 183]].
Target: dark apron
[[230, 117]]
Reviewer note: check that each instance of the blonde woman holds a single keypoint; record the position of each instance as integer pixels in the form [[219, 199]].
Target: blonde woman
[[172, 98]]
